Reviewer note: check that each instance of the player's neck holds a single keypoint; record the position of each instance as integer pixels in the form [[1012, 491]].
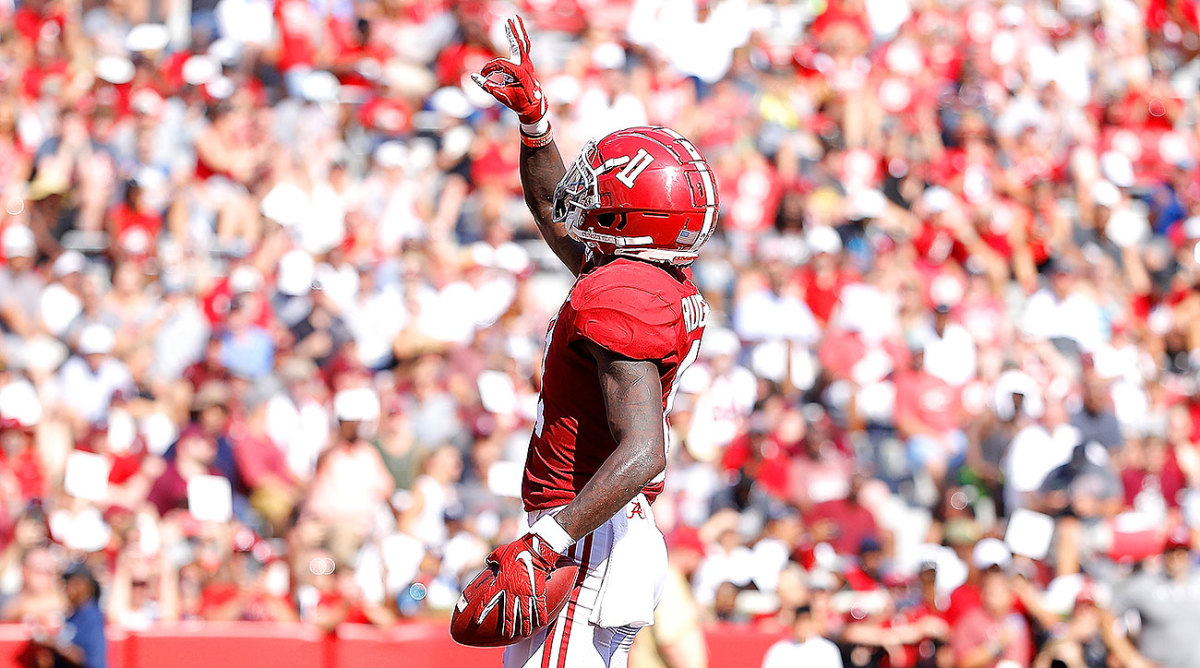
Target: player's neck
[[601, 260]]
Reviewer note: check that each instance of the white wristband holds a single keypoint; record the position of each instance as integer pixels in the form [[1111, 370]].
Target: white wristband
[[541, 127], [549, 530]]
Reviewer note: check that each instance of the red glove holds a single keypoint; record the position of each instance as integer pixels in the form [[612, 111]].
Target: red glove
[[513, 82], [523, 567]]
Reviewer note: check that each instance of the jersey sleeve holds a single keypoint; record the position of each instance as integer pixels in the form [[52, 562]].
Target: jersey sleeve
[[631, 321]]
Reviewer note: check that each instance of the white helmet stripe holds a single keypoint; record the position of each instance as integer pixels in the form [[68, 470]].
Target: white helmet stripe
[[710, 209], [687, 145]]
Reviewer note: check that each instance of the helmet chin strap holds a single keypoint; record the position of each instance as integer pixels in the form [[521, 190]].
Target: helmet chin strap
[[676, 258], [591, 241]]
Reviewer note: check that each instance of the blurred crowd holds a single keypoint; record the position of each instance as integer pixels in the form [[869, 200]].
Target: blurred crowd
[[272, 307]]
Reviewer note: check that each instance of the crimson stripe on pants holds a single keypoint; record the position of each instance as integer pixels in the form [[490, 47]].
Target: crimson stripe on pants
[[583, 567], [548, 644]]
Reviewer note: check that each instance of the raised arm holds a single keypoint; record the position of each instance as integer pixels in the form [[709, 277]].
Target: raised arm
[[541, 169], [513, 82]]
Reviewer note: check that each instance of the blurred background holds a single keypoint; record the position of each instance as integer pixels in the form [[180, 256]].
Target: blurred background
[[272, 309]]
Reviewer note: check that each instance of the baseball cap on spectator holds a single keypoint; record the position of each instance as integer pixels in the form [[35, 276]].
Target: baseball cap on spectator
[[937, 200], [297, 370], [20, 405], [962, 531], [70, 262], [296, 273], [820, 579], [1175, 151], [946, 291], [18, 241], [452, 102], [245, 278], [227, 51], [211, 394], [916, 340], [1127, 228], [146, 37], [823, 239], [220, 87], [720, 342], [391, 155], [358, 404], [867, 204], [48, 183], [320, 86], [869, 544], [1191, 227], [200, 69], [562, 89], [174, 283], [147, 102], [1117, 168], [79, 570], [284, 204], [991, 553], [608, 56], [115, 69], [454, 512], [1016, 382], [1105, 194], [96, 339], [1060, 266]]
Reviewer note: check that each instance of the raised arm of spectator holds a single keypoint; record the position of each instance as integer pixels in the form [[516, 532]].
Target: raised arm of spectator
[[930, 132], [911, 633], [168, 572], [1135, 270], [119, 594], [514, 83], [1023, 268], [1118, 644], [1034, 604], [965, 232]]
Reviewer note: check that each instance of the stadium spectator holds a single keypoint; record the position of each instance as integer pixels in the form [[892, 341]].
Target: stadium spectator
[[953, 291], [1163, 601], [80, 640], [806, 646], [991, 633], [40, 601]]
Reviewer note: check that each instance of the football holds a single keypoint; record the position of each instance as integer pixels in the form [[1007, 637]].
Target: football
[[478, 618]]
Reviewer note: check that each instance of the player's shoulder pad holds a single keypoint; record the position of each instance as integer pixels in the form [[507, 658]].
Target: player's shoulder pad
[[629, 308]]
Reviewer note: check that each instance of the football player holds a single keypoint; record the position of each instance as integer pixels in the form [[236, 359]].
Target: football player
[[627, 217]]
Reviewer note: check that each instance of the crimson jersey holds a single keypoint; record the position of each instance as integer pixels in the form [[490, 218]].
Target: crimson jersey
[[636, 309]]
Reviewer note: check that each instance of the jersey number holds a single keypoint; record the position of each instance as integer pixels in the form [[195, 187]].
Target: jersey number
[[692, 353], [634, 167], [540, 423]]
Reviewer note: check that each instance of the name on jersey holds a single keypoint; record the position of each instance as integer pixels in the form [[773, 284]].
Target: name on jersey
[[695, 312]]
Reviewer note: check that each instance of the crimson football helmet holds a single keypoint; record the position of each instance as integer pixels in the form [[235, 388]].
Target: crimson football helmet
[[644, 192]]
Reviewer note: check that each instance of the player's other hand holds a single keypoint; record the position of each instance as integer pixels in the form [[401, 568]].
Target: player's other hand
[[512, 80], [523, 566]]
